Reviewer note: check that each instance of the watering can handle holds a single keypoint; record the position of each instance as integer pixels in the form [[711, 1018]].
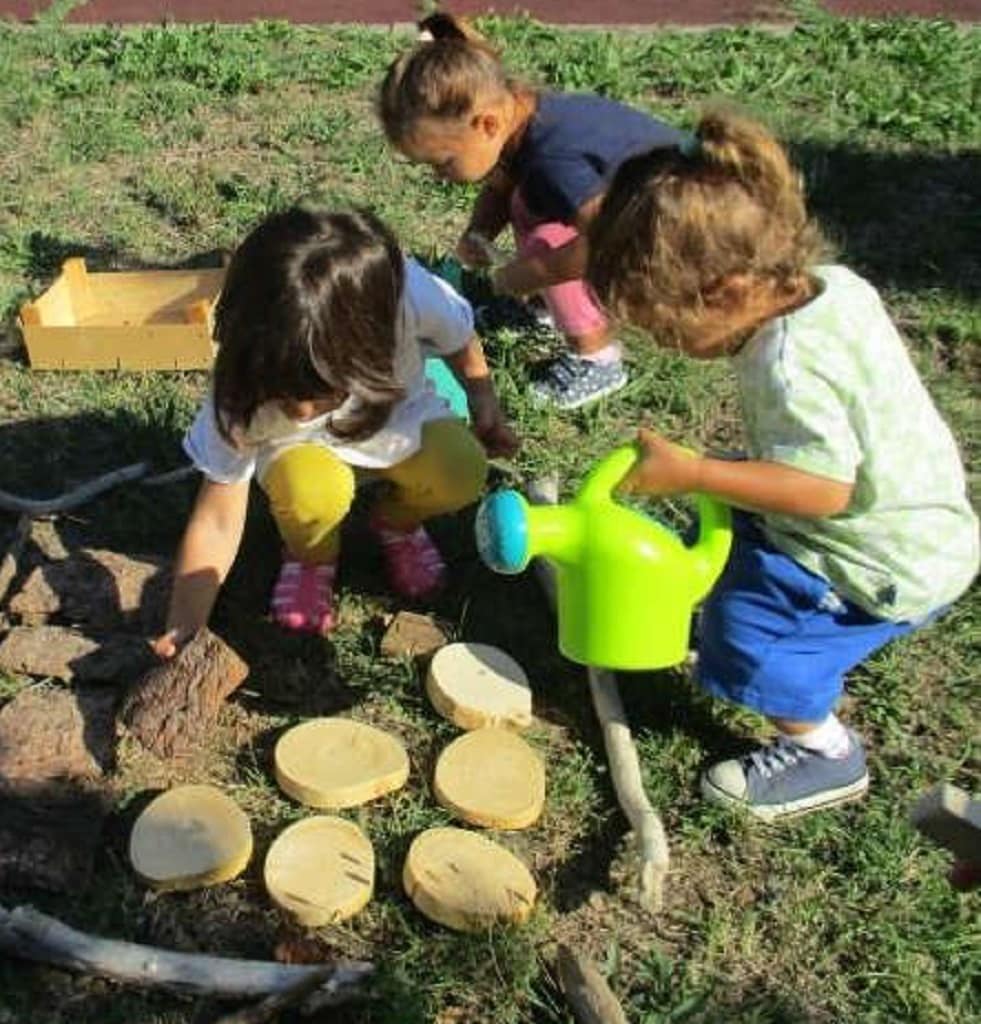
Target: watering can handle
[[607, 474]]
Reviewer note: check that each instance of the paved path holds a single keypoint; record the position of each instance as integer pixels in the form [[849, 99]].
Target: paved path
[[610, 12]]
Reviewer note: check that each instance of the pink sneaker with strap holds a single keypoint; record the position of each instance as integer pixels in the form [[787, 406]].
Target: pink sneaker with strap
[[415, 567], [303, 598]]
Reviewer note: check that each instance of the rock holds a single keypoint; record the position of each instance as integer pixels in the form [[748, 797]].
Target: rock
[[411, 635], [99, 589], [174, 703], [70, 655]]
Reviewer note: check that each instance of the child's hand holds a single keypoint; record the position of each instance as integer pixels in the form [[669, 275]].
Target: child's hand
[[168, 644], [663, 468], [473, 250], [489, 423]]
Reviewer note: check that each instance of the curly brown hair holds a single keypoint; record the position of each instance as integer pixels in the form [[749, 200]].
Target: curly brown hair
[[677, 223], [310, 308], [442, 77]]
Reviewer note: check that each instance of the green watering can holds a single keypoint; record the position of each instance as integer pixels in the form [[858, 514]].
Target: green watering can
[[626, 585]]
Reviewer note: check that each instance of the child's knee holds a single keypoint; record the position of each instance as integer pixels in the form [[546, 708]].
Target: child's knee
[[459, 470], [308, 483]]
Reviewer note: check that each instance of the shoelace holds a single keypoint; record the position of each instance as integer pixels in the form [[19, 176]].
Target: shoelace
[[777, 758], [567, 368]]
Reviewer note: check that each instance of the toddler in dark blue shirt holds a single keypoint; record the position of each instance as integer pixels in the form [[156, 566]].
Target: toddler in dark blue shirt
[[546, 160]]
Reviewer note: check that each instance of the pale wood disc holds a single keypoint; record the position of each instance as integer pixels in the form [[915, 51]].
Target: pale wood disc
[[188, 837], [476, 685], [335, 762], [465, 881], [491, 777], [321, 870]]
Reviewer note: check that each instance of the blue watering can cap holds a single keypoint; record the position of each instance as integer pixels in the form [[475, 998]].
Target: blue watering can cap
[[502, 532]]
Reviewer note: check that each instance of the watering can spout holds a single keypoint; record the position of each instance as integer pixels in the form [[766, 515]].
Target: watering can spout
[[510, 532]]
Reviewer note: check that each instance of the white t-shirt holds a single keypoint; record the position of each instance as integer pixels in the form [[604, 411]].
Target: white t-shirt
[[435, 320], [830, 389]]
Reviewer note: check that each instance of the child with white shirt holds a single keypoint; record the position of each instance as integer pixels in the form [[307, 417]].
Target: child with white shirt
[[322, 329]]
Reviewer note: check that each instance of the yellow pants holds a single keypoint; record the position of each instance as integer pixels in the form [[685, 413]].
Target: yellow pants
[[310, 489]]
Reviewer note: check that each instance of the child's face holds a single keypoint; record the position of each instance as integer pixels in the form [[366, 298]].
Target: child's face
[[308, 408], [458, 151]]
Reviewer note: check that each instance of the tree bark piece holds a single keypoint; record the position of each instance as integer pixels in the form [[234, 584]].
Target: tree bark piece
[[98, 589], [411, 635], [652, 842], [26, 933], [50, 734], [74, 498], [8, 566], [173, 705], [63, 653], [586, 990], [49, 834]]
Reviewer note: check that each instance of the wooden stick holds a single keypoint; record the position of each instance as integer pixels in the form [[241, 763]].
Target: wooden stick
[[71, 499], [272, 1005], [27, 933], [586, 990], [652, 841], [170, 477], [8, 567]]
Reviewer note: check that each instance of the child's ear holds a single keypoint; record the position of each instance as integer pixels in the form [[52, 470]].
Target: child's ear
[[732, 292]]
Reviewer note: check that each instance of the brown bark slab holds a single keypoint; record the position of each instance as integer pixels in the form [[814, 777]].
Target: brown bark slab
[[174, 703], [64, 653], [411, 635], [101, 590], [48, 734], [54, 747]]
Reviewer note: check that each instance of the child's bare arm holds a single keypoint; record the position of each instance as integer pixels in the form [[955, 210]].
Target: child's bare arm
[[565, 263], [205, 555], [665, 468], [469, 365], [491, 215]]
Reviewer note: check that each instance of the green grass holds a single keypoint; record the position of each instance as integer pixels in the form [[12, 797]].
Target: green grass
[[156, 146]]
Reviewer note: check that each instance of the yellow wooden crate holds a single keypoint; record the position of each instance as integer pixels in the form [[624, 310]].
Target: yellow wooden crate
[[137, 320]]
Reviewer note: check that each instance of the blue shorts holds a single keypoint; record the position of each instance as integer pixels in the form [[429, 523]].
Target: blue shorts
[[776, 638]]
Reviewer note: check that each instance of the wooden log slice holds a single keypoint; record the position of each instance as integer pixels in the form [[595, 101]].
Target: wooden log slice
[[491, 777], [467, 882], [476, 685], [335, 762], [321, 870], [189, 837]]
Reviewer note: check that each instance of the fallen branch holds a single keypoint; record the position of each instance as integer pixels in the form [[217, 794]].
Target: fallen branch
[[170, 477], [29, 934], [652, 842], [586, 990], [72, 499], [274, 1004]]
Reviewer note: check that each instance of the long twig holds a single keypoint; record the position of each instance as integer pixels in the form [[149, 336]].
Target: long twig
[[31, 935], [652, 842], [272, 1005], [72, 499]]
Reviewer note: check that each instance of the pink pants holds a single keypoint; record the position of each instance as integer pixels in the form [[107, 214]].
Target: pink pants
[[571, 303]]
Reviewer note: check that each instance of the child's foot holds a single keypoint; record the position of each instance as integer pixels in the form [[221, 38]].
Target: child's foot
[[415, 567], [785, 779], [570, 381], [303, 598]]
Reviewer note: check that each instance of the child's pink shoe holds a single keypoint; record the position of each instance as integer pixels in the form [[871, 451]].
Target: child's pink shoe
[[415, 567], [303, 598]]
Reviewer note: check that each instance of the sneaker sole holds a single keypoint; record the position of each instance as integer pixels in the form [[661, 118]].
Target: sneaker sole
[[595, 396], [774, 812]]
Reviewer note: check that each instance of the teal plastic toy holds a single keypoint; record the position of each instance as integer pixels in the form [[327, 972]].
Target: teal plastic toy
[[626, 585], [448, 387]]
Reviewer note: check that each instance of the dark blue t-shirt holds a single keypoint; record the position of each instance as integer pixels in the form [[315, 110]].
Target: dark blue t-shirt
[[572, 147]]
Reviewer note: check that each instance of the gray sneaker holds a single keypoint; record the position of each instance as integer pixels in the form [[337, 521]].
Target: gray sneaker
[[569, 381], [784, 780]]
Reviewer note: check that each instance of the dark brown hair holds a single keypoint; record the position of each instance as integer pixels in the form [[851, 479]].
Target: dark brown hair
[[677, 223], [441, 77], [310, 309]]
